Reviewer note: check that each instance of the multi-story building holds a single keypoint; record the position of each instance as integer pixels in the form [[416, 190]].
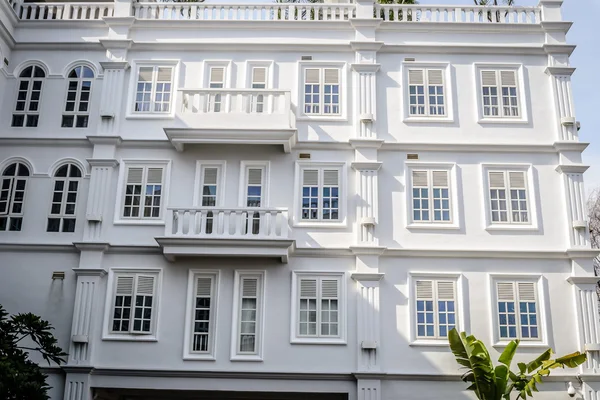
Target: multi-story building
[[292, 200]]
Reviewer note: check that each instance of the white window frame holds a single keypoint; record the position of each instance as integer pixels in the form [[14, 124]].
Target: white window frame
[[136, 65], [135, 163], [236, 355], [26, 112], [462, 322], [250, 65], [65, 192], [343, 183], [532, 225], [8, 214], [152, 336], [448, 92], [451, 168], [227, 82], [521, 94], [221, 167], [295, 338], [211, 354], [542, 309], [344, 92], [266, 178], [76, 113]]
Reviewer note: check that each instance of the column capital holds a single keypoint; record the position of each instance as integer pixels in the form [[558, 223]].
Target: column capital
[[568, 71], [365, 67], [90, 272], [583, 280], [102, 162], [114, 65], [367, 277], [368, 250], [366, 165], [572, 168], [370, 45]]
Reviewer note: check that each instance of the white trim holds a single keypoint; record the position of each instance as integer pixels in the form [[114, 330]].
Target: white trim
[[342, 309], [109, 306], [266, 179], [269, 65], [61, 216], [448, 92], [75, 113], [208, 64], [343, 190], [135, 65], [260, 316], [221, 165], [214, 315], [122, 181], [344, 91], [90, 64], [67, 160], [19, 68], [11, 160]]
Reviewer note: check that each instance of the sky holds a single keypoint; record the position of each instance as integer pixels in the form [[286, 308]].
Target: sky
[[584, 14]]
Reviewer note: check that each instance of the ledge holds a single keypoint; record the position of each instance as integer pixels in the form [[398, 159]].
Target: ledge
[[560, 71], [568, 145], [367, 276], [591, 280], [572, 168], [366, 165]]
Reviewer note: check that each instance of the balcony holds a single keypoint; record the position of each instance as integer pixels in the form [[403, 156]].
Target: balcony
[[233, 116], [226, 232]]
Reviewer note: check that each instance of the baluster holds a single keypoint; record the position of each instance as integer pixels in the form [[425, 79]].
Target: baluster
[[238, 223], [202, 221], [180, 216], [263, 228], [194, 12], [273, 230], [192, 223]]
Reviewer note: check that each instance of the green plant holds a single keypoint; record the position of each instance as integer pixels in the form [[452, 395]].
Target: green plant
[[491, 382]]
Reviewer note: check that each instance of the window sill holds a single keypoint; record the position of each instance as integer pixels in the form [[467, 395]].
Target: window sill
[[424, 120], [523, 343], [500, 121], [140, 222], [327, 225], [429, 343], [337, 118], [199, 357], [428, 226], [149, 116], [318, 341], [130, 338], [508, 228], [248, 358]]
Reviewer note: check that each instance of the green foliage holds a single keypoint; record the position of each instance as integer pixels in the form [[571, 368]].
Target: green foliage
[[493, 2], [497, 383], [21, 378]]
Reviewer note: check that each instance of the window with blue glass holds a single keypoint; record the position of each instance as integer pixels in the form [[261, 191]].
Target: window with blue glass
[[517, 311], [436, 308], [426, 96], [322, 91], [320, 194], [431, 196]]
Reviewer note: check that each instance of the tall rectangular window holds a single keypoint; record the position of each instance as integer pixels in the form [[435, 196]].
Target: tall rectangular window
[[12, 196], [320, 194], [508, 197], [255, 187], [500, 94], [249, 292], [67, 180], [322, 91], [436, 307], [134, 303], [259, 81], [318, 306], [202, 315], [143, 192], [216, 80], [29, 96], [517, 310], [426, 94], [154, 89], [431, 196]]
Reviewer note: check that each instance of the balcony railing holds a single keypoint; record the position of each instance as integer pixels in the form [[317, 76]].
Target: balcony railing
[[227, 223], [61, 11]]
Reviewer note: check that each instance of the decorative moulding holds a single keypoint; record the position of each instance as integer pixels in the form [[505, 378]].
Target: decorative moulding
[[367, 276], [567, 49], [114, 65], [102, 162], [569, 145], [560, 71], [91, 246], [359, 143], [592, 280], [365, 22], [368, 250], [559, 26], [366, 165], [365, 45], [90, 272], [572, 168], [110, 140]]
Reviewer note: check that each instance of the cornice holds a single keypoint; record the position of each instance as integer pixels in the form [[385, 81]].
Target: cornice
[[572, 168], [365, 67], [468, 253], [102, 162], [365, 22], [365, 45], [366, 165], [583, 253], [37, 141], [569, 145], [38, 247], [367, 277], [109, 43], [120, 21], [467, 27], [241, 25], [463, 49], [114, 65], [567, 49], [368, 250], [105, 140], [358, 143], [583, 280], [90, 272], [79, 46], [558, 26], [91, 246], [560, 71], [470, 147], [242, 46]]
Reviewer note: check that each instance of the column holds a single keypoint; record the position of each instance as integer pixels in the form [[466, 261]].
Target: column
[[588, 322], [561, 85], [369, 389], [577, 223], [367, 306], [113, 91]]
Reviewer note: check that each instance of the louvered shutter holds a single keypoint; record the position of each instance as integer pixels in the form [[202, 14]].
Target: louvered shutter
[[329, 288], [145, 74], [415, 77], [164, 74], [526, 291], [135, 175], [124, 286], [508, 78], [145, 285], [516, 180], [331, 177], [255, 176], [440, 179], [308, 288], [488, 78], [203, 287], [310, 177], [210, 176], [435, 77], [217, 76], [446, 290], [497, 180], [5, 195], [259, 77], [312, 76], [420, 179], [249, 287], [332, 76], [506, 291], [424, 290], [154, 176]]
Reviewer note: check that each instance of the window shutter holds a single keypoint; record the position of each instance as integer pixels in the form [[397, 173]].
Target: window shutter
[[419, 178], [154, 176], [249, 287], [310, 177], [332, 76], [145, 285], [217, 75], [424, 290], [124, 286], [329, 288], [203, 287], [526, 291], [145, 74], [308, 288], [134, 175], [516, 180], [497, 180], [506, 291], [446, 290], [415, 77], [164, 74], [210, 176], [259, 75], [331, 177], [5, 195], [488, 78], [508, 78], [435, 77], [312, 76], [254, 176], [440, 178]]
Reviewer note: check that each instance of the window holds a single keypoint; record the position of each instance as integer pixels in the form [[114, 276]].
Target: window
[[426, 93], [210, 190], [202, 315], [64, 199], [508, 198], [247, 323], [320, 193], [29, 94], [216, 80], [77, 107], [12, 196], [259, 81], [500, 94], [431, 196], [154, 88], [318, 313], [322, 91], [254, 189], [517, 310], [134, 303], [436, 307]]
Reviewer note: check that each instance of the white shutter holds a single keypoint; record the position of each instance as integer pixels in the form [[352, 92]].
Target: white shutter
[[424, 290], [135, 175], [329, 288], [440, 178], [145, 285], [446, 290], [217, 75], [497, 180], [506, 291], [310, 177], [145, 74], [415, 77], [164, 74], [254, 176], [488, 78], [508, 78], [203, 286], [516, 180], [419, 179], [308, 288], [154, 176], [259, 76], [124, 286], [435, 77], [332, 76], [331, 177], [312, 76], [249, 287], [5, 195], [210, 176], [526, 291]]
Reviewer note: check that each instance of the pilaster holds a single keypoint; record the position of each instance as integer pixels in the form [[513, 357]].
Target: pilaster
[[369, 389], [588, 323], [77, 386], [112, 94], [563, 97], [577, 223]]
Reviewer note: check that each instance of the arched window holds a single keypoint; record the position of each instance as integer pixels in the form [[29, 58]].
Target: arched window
[[12, 196], [64, 199], [77, 107], [27, 109]]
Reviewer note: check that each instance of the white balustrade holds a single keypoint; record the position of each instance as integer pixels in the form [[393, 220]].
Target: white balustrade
[[227, 223], [460, 14], [244, 12], [241, 101], [57, 11]]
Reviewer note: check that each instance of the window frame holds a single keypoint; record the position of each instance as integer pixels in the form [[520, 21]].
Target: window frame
[[25, 112], [121, 190], [207, 66], [188, 353], [521, 93], [237, 355], [452, 170], [10, 200], [342, 278], [531, 194], [113, 274], [343, 93], [221, 166], [75, 113], [342, 221], [135, 67], [248, 80], [448, 92], [462, 322], [541, 302], [62, 216], [245, 165]]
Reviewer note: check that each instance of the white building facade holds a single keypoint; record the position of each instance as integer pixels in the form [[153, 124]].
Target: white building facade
[[285, 201]]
